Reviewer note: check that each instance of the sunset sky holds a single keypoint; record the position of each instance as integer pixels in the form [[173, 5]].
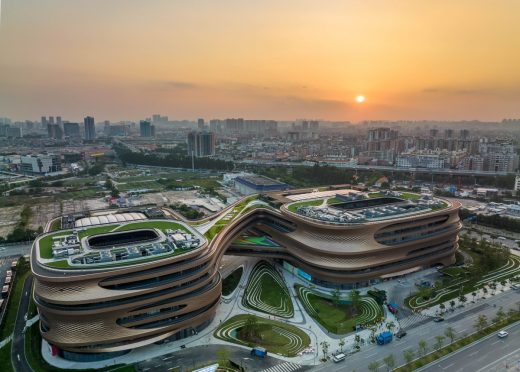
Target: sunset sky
[[279, 59]]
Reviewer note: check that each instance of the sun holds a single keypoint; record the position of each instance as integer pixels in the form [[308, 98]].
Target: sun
[[360, 99]]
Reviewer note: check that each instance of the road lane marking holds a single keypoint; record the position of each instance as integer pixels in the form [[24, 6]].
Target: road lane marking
[[475, 352], [448, 366], [496, 342], [371, 355]]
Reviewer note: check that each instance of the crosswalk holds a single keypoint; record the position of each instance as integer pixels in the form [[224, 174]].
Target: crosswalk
[[414, 320], [283, 367]]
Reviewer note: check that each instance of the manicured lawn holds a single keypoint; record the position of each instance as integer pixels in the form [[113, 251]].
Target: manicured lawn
[[276, 337], [465, 285], [309, 203], [231, 281], [161, 225], [338, 318], [5, 358], [63, 264], [271, 291], [410, 196], [45, 243], [266, 292], [96, 230], [56, 225], [454, 271], [334, 201]]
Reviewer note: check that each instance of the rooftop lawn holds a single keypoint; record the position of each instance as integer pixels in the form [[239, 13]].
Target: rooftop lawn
[[64, 264], [308, 203], [45, 243]]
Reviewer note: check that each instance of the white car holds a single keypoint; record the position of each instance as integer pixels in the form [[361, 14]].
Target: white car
[[502, 334]]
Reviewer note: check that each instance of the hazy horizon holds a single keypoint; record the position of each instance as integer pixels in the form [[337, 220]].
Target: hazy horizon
[[428, 60]]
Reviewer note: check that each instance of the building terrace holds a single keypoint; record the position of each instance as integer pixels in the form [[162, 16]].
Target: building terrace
[[115, 244], [357, 207]]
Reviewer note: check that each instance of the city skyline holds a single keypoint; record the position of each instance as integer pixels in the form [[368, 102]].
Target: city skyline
[[271, 60]]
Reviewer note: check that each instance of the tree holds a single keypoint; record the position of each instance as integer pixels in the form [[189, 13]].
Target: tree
[[503, 284], [408, 355], [390, 325], [223, 356], [324, 348], [442, 307], [439, 340], [462, 299], [250, 325], [500, 316], [452, 304], [341, 343], [481, 323], [389, 360], [450, 333], [373, 366], [474, 294], [485, 290], [355, 300], [357, 338], [423, 346], [335, 296]]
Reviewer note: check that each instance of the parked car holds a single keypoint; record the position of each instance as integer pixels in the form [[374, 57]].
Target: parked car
[[438, 319], [502, 334], [401, 333]]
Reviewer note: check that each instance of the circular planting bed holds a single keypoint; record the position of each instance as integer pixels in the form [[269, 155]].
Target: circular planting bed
[[250, 330], [266, 292], [339, 318]]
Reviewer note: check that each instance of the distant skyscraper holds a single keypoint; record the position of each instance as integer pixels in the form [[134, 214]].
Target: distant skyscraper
[[58, 120], [71, 129], [90, 128], [200, 124], [201, 144], [145, 128], [51, 119]]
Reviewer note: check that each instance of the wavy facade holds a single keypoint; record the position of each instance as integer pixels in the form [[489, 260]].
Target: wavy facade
[[88, 314]]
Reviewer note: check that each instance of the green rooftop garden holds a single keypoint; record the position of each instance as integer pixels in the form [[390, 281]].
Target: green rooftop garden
[[45, 243]]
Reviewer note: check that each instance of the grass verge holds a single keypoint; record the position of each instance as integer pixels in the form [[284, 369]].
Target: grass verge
[[7, 326], [5, 358]]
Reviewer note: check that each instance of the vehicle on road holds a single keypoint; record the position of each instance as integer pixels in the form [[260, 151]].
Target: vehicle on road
[[502, 334], [384, 338], [502, 238], [338, 357], [438, 319], [401, 333], [392, 308], [259, 352]]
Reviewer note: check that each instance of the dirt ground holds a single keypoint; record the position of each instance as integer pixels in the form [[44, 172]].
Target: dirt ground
[[170, 197], [9, 218]]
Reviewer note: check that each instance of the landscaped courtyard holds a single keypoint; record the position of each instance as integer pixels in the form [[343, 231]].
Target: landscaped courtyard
[[471, 280], [339, 317], [275, 337], [266, 292]]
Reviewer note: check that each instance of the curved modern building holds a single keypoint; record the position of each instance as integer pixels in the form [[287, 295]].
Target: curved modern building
[[109, 288]]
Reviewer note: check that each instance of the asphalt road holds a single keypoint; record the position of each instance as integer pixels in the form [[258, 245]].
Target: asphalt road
[[18, 348], [8, 250], [462, 320], [489, 354], [190, 358]]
